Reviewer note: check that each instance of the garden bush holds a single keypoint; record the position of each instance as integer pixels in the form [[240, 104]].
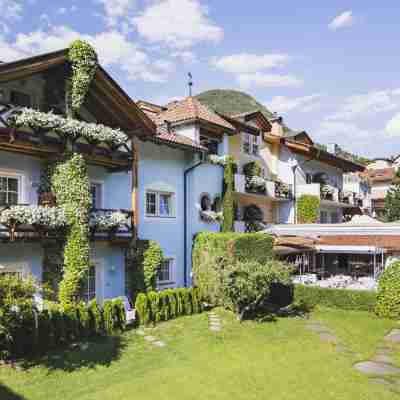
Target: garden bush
[[388, 298], [246, 286], [213, 252], [345, 299], [152, 307]]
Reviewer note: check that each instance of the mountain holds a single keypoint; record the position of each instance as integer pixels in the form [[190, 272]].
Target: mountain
[[231, 102]]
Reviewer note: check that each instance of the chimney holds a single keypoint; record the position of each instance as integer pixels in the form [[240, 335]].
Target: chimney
[[277, 125]]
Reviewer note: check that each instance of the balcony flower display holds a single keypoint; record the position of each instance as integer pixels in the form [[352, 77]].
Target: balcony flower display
[[327, 191], [256, 184], [211, 216], [109, 220], [282, 190], [36, 120], [49, 217]]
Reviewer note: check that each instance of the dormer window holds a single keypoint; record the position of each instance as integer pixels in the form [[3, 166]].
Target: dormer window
[[20, 98]]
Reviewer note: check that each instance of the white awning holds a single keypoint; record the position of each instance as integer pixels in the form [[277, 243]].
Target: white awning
[[349, 249]]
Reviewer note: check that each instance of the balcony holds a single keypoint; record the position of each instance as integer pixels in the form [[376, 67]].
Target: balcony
[[262, 187], [27, 222], [329, 195]]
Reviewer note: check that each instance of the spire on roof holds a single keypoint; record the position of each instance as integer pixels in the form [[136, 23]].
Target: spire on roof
[[190, 83]]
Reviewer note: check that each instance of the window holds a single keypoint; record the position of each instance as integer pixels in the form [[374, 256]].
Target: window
[[308, 179], [211, 144], [334, 218], [96, 192], [246, 143], [205, 202], [255, 150], [165, 271], [20, 99], [323, 217], [9, 190], [89, 284], [251, 144], [159, 204]]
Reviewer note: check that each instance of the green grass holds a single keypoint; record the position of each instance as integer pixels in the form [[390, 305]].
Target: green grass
[[274, 360]]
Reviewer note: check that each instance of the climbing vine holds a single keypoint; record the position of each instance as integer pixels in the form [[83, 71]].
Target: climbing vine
[[70, 183], [228, 206], [308, 209], [84, 63]]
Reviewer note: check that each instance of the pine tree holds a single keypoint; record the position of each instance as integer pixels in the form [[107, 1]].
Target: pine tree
[[392, 201]]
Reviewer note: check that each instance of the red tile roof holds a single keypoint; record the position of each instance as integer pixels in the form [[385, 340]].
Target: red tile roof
[[382, 175], [189, 109]]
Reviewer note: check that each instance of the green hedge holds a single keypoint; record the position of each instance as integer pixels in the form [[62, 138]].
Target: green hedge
[[388, 299], [345, 299], [213, 251], [153, 307], [20, 337]]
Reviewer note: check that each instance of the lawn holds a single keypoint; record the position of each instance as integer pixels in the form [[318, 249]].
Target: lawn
[[271, 360]]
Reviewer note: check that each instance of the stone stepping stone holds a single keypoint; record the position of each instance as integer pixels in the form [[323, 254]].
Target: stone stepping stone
[[376, 368], [150, 339], [327, 337], [159, 343], [383, 358], [393, 336], [318, 328]]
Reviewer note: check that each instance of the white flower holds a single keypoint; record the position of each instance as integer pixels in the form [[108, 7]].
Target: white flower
[[51, 217], [33, 119], [108, 220]]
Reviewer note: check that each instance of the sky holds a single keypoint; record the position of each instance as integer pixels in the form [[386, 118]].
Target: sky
[[330, 68]]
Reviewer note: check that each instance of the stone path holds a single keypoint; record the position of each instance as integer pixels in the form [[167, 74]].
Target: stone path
[[380, 368], [214, 323], [150, 339]]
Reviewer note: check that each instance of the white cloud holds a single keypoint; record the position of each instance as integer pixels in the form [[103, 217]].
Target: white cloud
[[62, 10], [10, 9], [116, 9], [283, 104], [263, 80], [366, 104], [177, 23], [343, 20], [392, 128], [248, 63], [113, 48]]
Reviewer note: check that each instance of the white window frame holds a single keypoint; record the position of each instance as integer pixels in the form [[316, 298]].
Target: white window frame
[[20, 177], [157, 214], [171, 280], [101, 186]]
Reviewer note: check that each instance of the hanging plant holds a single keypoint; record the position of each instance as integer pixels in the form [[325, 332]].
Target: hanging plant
[[70, 183], [84, 63]]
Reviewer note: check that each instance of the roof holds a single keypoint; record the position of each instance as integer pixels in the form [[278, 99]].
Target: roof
[[107, 97], [190, 109], [262, 121], [172, 138], [382, 175], [321, 155]]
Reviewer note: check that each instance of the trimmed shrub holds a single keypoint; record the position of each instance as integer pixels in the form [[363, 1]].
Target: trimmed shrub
[[388, 298], [308, 209], [345, 299], [119, 314], [213, 252], [15, 291], [108, 309], [168, 304], [142, 306], [96, 321]]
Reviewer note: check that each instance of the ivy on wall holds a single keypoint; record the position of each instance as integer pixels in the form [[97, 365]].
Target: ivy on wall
[[308, 209], [70, 183], [84, 63], [228, 205], [144, 263]]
